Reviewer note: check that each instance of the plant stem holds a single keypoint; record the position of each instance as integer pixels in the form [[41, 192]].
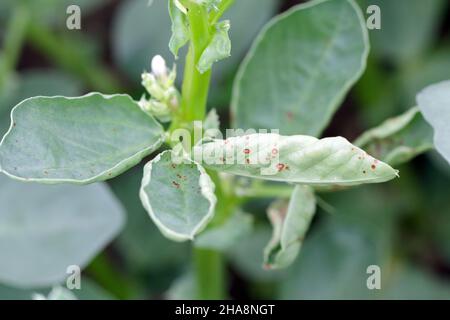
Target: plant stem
[[210, 274], [196, 85], [209, 264], [13, 41]]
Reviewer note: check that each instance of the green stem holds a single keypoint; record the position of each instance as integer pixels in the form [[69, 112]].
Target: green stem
[[14, 38], [195, 84], [67, 54], [209, 264], [110, 279]]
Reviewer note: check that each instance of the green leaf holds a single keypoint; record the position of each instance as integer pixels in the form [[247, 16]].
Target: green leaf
[[180, 29], [179, 197], [297, 159], [434, 102], [218, 49], [290, 223], [399, 139], [300, 68], [223, 237], [55, 227], [78, 140]]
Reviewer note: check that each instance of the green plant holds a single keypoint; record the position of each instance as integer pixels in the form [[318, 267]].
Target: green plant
[[292, 81]]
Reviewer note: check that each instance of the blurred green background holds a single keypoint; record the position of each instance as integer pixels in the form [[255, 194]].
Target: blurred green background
[[402, 226]]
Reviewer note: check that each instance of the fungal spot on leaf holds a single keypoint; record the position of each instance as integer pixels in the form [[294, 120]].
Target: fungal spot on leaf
[[267, 266], [247, 151], [176, 184], [364, 171], [290, 115], [281, 167], [173, 166], [373, 167]]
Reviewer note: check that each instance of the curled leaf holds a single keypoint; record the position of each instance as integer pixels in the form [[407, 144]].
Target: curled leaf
[[179, 196], [290, 223], [399, 139], [296, 159], [219, 48]]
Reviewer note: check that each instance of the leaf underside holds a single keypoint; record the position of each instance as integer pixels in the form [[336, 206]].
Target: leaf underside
[[399, 139], [44, 229], [179, 197], [290, 223], [295, 159]]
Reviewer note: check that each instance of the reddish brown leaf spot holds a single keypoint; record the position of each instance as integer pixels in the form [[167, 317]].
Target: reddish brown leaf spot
[[281, 167], [173, 165], [373, 167], [247, 151], [274, 151], [290, 115], [267, 266], [176, 184]]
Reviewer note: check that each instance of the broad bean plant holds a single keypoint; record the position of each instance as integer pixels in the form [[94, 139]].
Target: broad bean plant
[[196, 178]]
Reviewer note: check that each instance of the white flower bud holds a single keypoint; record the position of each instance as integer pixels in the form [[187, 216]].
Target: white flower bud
[[159, 68]]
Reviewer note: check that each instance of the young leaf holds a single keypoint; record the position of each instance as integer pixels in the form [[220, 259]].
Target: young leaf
[[290, 223], [179, 197], [300, 68], [77, 140], [224, 237], [296, 159], [399, 139], [434, 102], [219, 48], [180, 28], [55, 227]]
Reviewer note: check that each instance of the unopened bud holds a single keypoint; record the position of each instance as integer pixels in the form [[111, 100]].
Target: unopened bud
[[159, 67]]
